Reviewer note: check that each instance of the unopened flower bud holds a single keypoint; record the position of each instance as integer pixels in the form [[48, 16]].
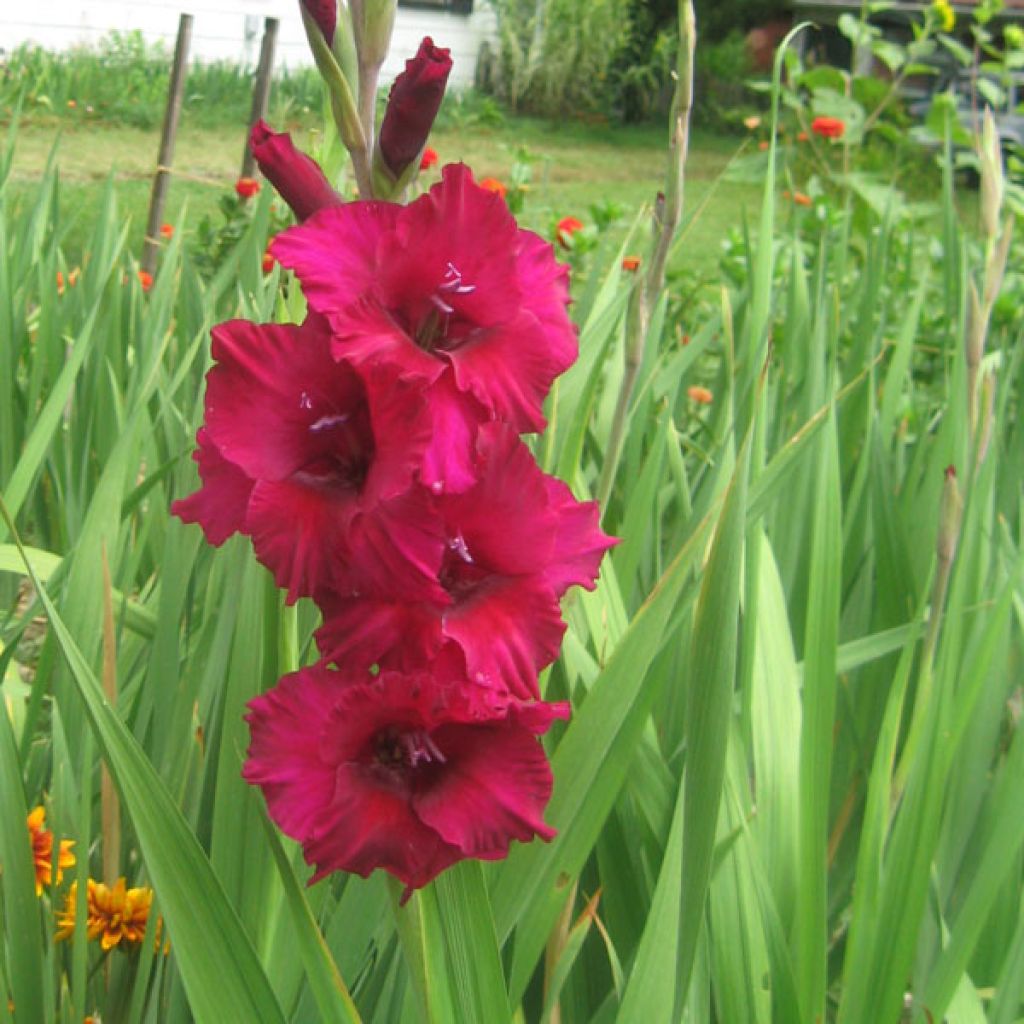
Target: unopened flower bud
[[949, 518], [325, 14], [335, 60], [993, 180], [375, 37], [296, 177], [412, 106]]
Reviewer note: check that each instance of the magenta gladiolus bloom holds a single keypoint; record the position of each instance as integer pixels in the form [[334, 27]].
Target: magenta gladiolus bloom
[[446, 291], [412, 106], [314, 462], [514, 543], [400, 772], [297, 177]]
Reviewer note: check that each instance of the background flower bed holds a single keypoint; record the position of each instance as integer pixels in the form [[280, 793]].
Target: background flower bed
[[775, 589]]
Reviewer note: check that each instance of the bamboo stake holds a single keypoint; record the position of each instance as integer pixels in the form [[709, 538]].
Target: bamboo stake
[[260, 90], [161, 180]]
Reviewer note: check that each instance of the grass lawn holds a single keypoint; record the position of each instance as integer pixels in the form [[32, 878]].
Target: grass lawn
[[573, 167]]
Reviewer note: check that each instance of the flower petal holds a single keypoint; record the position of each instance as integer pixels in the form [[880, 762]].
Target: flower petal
[[302, 535], [579, 544], [334, 253], [508, 629], [494, 788], [369, 826], [358, 632], [286, 724], [220, 504], [504, 519], [272, 385]]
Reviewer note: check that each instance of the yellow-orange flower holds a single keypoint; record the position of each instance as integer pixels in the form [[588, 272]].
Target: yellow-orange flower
[[493, 185], [702, 396], [42, 851], [112, 914]]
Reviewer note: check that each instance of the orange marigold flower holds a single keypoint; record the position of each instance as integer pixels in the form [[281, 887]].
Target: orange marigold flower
[[802, 199], [268, 262], [631, 263], [762, 145], [42, 851], [247, 187], [493, 185], [702, 396], [828, 127], [752, 122], [146, 280], [72, 104], [802, 136], [429, 158], [113, 913], [166, 230], [567, 227]]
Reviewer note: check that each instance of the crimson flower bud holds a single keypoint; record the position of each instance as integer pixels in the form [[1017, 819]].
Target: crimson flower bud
[[325, 14], [412, 106], [296, 177]]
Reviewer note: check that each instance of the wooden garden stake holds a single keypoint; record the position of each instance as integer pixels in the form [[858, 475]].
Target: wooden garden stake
[[161, 179], [260, 90]]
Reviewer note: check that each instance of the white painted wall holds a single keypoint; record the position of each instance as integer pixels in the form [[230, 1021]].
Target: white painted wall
[[231, 29]]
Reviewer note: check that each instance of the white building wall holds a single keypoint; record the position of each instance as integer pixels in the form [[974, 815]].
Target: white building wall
[[231, 29]]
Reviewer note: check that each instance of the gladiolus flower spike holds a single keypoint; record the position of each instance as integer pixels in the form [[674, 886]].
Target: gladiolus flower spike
[[372, 455]]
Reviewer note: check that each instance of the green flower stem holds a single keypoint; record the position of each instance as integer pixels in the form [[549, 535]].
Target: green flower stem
[[667, 213]]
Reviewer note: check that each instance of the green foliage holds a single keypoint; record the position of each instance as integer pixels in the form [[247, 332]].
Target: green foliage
[[124, 80], [555, 55]]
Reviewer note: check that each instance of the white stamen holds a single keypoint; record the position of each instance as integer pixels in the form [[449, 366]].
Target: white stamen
[[326, 422]]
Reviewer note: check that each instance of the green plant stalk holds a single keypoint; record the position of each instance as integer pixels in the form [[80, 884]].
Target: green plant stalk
[[667, 213]]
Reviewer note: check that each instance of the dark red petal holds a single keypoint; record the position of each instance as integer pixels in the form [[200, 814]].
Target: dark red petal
[[579, 544], [271, 384], [395, 548], [369, 826], [449, 462], [510, 368], [508, 629], [302, 535], [456, 223], [366, 335], [219, 506], [286, 724], [334, 253], [493, 788], [358, 632], [504, 520]]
